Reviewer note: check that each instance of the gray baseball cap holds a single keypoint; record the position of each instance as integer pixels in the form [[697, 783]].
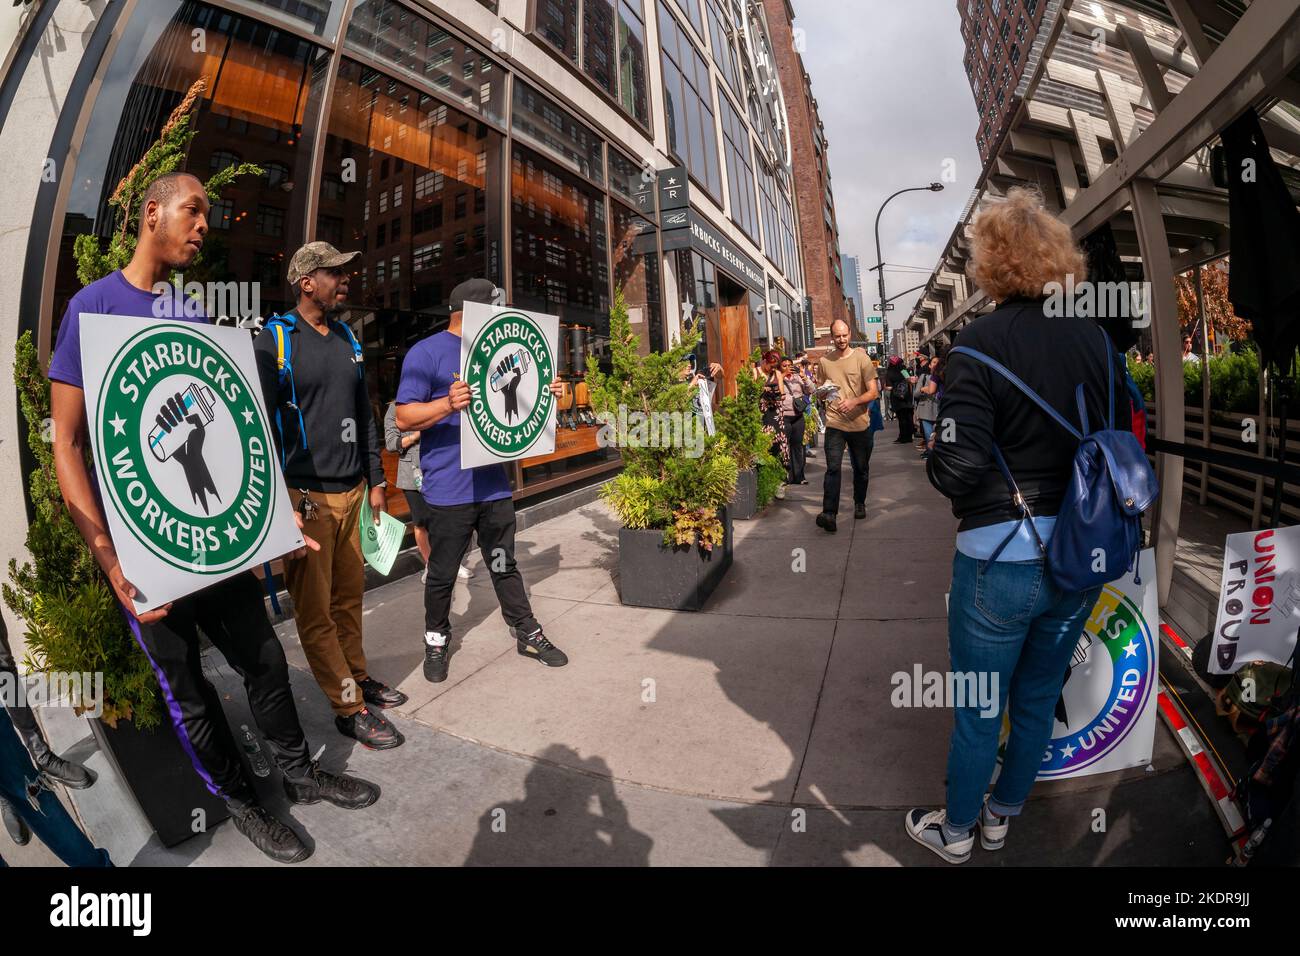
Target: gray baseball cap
[[473, 290], [316, 255]]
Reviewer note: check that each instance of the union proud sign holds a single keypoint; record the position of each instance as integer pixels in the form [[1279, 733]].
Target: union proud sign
[[508, 358], [184, 457]]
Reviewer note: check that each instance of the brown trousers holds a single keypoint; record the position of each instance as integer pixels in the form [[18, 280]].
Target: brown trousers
[[327, 588]]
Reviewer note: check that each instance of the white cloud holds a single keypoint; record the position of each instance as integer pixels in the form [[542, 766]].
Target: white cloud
[[895, 102]]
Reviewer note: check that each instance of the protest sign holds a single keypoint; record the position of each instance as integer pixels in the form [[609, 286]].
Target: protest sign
[[1259, 599], [507, 358], [183, 453]]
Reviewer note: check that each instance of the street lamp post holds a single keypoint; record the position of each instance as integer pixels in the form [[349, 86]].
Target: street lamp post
[[880, 262]]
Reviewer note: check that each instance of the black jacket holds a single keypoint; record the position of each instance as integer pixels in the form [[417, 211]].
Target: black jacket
[[343, 444], [1051, 355]]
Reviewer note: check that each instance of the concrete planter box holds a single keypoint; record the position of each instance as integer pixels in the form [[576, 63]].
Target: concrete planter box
[[161, 777], [676, 578], [744, 505]]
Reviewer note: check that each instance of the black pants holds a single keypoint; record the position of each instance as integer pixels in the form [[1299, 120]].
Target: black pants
[[905, 427], [233, 618], [860, 445], [794, 429], [450, 527]]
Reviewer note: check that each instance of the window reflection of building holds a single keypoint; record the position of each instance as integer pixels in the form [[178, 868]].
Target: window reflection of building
[[636, 271], [428, 219], [258, 97], [688, 104], [560, 246], [612, 52]]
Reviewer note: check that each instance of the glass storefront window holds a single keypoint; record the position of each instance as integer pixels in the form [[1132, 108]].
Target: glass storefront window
[[557, 21], [259, 107], [724, 51], [548, 126], [740, 169], [636, 272], [316, 15], [561, 244], [423, 51], [613, 49], [630, 180], [632, 61], [559, 255], [437, 174], [688, 104]]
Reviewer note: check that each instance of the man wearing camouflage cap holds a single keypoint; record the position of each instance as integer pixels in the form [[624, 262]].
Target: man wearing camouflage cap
[[313, 379]]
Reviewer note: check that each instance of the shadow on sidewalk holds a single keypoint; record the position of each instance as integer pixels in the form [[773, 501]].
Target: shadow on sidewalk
[[564, 819]]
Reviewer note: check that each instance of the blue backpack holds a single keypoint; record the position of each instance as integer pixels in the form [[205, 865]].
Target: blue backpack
[[1112, 483], [281, 326]]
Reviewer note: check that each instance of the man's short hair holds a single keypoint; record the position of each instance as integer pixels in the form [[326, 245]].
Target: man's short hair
[[165, 187]]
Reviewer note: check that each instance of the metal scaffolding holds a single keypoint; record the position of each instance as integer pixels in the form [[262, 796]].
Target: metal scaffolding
[[1116, 124]]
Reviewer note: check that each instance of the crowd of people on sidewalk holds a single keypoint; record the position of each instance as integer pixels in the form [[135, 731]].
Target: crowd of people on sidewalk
[[1002, 462]]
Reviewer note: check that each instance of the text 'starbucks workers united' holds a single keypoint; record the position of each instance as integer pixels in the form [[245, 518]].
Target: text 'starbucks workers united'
[[183, 451], [1105, 714], [509, 361]]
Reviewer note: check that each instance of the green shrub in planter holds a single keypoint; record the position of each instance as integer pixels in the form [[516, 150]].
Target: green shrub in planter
[[72, 618], [668, 487], [740, 420], [73, 622], [771, 475]]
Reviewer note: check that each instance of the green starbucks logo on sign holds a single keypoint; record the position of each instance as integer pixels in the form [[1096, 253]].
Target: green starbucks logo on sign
[[184, 450], [509, 360]]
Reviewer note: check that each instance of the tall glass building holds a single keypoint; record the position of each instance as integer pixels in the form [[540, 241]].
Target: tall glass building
[[561, 148]]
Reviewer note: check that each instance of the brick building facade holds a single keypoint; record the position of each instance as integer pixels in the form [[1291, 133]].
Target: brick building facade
[[999, 37], [818, 228]]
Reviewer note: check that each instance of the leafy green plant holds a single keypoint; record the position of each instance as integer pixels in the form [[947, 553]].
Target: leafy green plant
[[771, 475], [73, 622], [1234, 381], [740, 420], [166, 155], [663, 485]]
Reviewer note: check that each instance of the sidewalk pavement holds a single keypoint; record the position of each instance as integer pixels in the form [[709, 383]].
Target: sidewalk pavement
[[758, 731]]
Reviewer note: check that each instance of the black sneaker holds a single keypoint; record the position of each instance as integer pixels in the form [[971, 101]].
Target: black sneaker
[[268, 834], [370, 730], [436, 657], [826, 522], [378, 694], [350, 793], [859, 512], [15, 826], [537, 647], [72, 775]]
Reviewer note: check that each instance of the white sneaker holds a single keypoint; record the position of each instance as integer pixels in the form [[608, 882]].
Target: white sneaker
[[926, 828], [464, 573], [780, 492], [993, 828]]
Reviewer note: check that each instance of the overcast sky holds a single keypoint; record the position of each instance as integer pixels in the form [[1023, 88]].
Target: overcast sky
[[893, 96]]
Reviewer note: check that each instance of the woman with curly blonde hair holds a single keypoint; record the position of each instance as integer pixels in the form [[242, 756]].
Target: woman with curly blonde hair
[[1010, 628]]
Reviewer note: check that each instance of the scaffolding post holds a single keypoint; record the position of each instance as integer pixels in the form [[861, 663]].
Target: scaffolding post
[[1170, 405]]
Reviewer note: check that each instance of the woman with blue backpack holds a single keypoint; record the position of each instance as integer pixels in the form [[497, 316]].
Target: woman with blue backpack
[[1033, 446]]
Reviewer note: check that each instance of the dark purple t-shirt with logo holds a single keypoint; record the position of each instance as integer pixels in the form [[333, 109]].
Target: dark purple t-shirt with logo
[[427, 375], [112, 295]]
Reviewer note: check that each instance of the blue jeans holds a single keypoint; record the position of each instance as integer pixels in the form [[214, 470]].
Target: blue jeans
[[51, 822], [1008, 620], [927, 429]]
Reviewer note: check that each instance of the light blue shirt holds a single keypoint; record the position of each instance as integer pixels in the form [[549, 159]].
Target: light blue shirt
[[980, 543]]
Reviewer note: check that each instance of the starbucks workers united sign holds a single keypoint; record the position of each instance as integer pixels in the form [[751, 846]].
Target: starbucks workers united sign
[[508, 357], [184, 456]]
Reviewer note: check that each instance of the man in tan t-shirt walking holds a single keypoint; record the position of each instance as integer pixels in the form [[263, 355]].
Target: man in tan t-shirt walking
[[847, 422]]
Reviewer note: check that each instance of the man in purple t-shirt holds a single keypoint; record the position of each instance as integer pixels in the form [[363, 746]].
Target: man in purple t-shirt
[[173, 222], [461, 502]]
